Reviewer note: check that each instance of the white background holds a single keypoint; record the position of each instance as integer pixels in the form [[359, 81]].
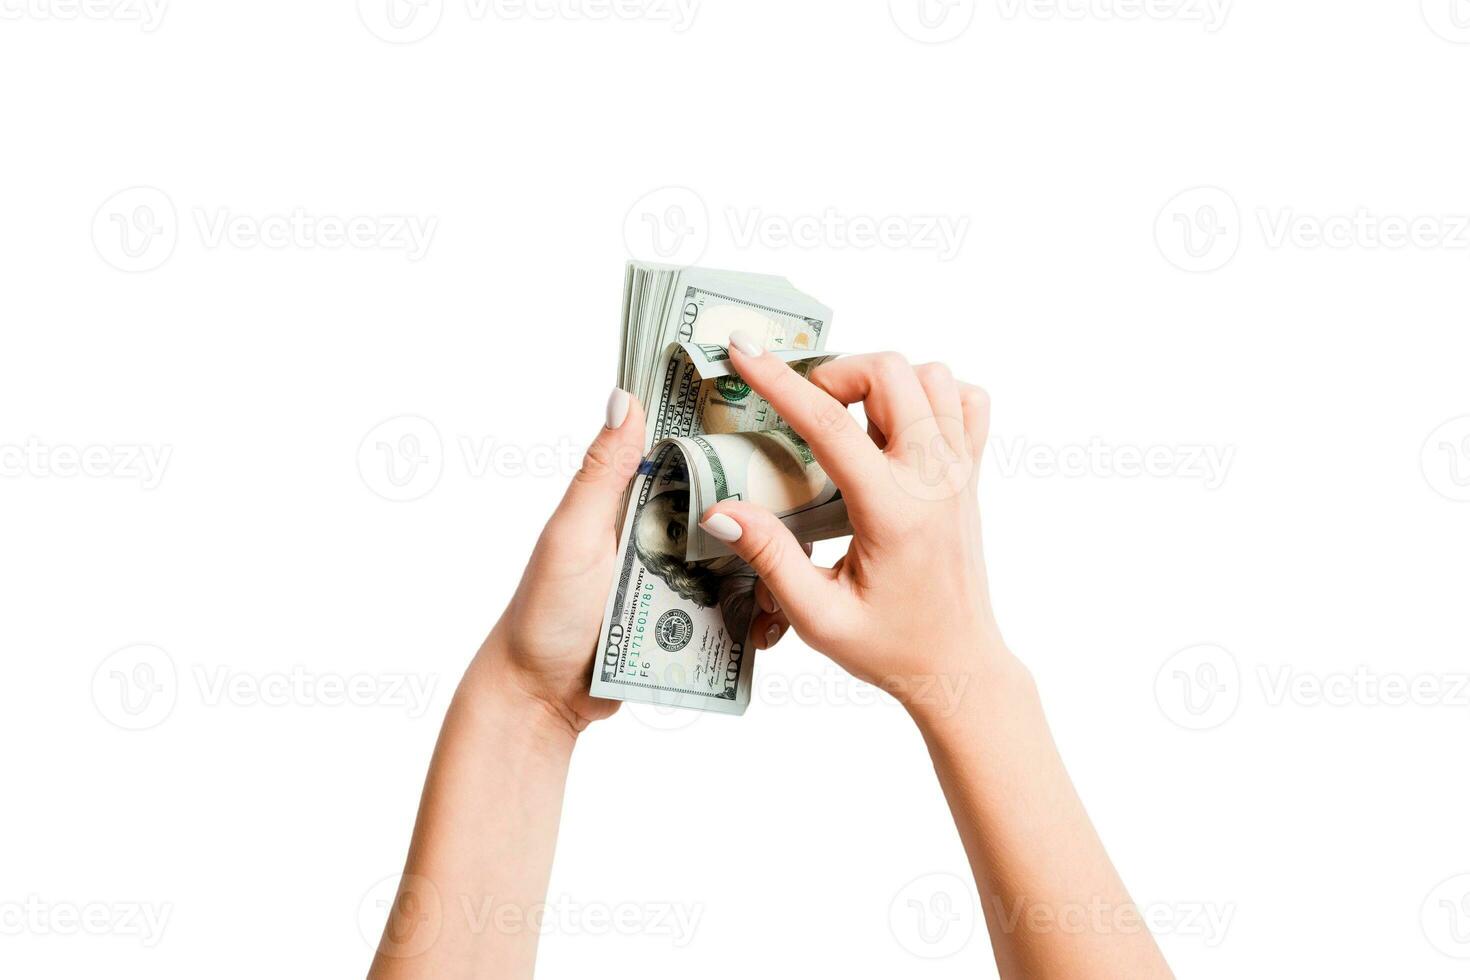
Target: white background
[[1109, 305]]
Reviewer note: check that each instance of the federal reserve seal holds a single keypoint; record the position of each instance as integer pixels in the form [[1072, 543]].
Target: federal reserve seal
[[674, 630], [732, 388]]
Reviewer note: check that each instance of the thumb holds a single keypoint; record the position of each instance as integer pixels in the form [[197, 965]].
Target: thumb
[[768, 546], [596, 493]]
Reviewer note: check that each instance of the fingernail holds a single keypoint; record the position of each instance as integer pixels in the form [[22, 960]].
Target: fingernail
[[767, 601], [747, 343], [773, 633], [724, 527], [617, 408]]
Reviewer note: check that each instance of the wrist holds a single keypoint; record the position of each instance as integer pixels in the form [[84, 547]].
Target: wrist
[[494, 694], [988, 691]]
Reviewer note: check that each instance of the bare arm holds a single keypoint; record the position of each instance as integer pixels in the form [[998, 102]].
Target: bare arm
[[474, 887], [481, 853], [909, 605], [1054, 904]]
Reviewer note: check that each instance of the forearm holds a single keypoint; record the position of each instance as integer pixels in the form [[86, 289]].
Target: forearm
[[478, 866], [1054, 904]]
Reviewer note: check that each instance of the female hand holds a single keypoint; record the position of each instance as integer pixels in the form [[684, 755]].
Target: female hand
[[908, 607], [545, 640]]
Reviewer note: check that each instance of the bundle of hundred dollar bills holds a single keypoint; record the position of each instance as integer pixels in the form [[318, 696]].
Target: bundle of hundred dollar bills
[[675, 629]]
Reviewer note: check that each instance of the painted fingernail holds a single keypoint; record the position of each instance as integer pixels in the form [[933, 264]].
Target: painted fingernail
[[724, 527], [747, 343], [617, 408], [767, 601], [773, 633]]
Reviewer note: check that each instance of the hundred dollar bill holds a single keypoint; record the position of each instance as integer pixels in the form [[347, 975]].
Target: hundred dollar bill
[[676, 624], [674, 632]]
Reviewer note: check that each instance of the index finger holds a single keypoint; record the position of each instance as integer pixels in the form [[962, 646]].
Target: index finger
[[843, 449]]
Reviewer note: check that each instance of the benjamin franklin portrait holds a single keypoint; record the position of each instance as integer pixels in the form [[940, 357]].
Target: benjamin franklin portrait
[[660, 536]]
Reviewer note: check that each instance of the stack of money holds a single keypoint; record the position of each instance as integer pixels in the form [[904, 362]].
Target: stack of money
[[676, 627]]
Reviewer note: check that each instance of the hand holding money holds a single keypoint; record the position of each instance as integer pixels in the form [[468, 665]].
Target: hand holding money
[[677, 626], [908, 607]]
